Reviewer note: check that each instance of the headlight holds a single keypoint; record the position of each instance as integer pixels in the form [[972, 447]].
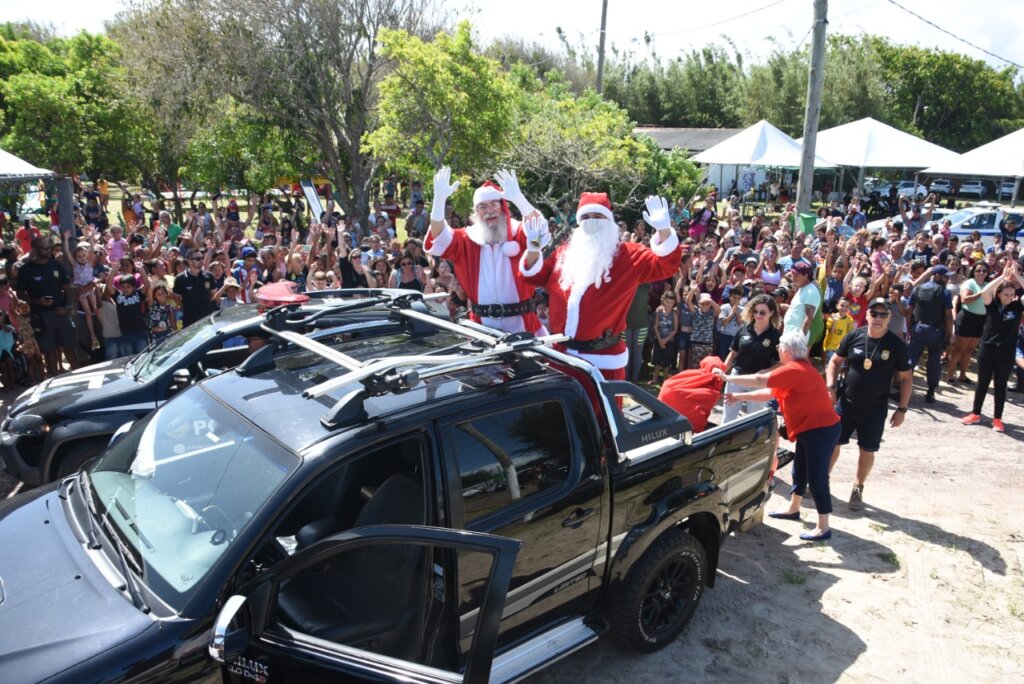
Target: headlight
[[28, 424]]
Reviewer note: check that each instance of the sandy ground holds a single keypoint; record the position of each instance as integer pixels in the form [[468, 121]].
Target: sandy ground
[[924, 585]]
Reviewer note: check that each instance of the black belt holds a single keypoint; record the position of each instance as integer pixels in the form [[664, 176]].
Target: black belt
[[504, 310], [609, 339]]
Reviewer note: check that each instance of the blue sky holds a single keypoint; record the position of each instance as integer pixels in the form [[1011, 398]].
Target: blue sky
[[679, 26]]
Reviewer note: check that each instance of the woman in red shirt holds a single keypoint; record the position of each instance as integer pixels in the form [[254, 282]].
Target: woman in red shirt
[[811, 422]]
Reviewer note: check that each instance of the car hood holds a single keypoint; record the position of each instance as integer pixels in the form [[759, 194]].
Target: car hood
[[56, 609], [96, 385]]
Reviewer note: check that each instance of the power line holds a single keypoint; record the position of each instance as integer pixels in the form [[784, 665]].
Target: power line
[[953, 35], [723, 21]]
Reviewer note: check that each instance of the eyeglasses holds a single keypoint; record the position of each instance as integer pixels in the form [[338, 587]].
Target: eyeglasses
[[878, 313]]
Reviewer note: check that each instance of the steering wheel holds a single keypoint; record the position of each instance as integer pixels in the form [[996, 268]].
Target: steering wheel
[[216, 511]]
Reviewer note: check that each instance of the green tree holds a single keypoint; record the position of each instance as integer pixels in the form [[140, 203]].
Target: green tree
[[68, 106], [240, 149], [442, 100], [309, 67], [949, 98], [567, 144]]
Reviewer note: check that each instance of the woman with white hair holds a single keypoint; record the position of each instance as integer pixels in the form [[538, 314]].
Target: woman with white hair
[[810, 421]]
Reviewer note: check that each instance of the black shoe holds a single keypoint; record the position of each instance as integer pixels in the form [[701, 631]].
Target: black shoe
[[1018, 389], [929, 398]]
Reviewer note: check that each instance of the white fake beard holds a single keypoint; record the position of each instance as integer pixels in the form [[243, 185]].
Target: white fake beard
[[493, 234], [588, 258]]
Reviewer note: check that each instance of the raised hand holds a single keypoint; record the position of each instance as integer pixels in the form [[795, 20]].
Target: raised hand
[[537, 234], [511, 191], [656, 214], [443, 189]]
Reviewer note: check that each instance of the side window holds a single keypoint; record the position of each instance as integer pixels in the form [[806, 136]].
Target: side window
[[507, 456], [987, 220]]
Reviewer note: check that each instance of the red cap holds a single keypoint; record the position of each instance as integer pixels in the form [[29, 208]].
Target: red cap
[[595, 203]]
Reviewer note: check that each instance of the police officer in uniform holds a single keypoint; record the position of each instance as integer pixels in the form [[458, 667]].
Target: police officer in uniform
[[872, 355], [932, 306]]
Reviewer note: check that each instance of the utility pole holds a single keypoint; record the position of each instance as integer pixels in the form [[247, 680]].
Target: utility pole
[[600, 47], [815, 80]]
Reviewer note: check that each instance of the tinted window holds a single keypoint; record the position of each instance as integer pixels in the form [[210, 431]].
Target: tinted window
[[386, 597], [504, 457]]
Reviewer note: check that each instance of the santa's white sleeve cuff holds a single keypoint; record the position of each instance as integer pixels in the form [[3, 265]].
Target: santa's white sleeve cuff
[[533, 270], [439, 245], [664, 248]]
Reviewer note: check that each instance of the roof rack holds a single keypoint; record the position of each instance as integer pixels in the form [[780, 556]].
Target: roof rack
[[399, 373]]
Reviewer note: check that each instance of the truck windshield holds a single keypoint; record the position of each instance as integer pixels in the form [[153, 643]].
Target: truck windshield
[[174, 348], [180, 487]]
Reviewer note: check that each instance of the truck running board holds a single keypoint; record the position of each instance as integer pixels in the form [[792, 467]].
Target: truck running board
[[541, 651]]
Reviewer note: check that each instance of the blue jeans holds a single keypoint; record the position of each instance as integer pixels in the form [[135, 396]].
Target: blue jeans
[[930, 337], [112, 348], [133, 343], [810, 464], [724, 342], [634, 339]]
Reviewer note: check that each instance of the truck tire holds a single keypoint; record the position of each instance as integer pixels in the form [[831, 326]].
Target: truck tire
[[660, 593], [79, 455]]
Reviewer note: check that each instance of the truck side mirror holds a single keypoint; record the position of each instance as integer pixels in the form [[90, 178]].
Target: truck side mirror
[[180, 380], [226, 644]]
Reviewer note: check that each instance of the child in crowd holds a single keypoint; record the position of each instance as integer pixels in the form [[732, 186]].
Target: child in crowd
[[702, 337], [160, 319], [666, 323], [837, 326], [117, 246], [27, 343], [81, 263]]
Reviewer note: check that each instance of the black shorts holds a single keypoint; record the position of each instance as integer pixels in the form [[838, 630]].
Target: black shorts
[[868, 423], [969, 324]]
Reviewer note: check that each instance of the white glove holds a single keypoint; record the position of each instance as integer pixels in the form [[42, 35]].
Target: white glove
[[537, 234], [443, 189], [657, 213], [511, 192]]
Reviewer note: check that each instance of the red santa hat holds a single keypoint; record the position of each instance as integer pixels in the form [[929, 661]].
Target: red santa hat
[[594, 203], [488, 192]]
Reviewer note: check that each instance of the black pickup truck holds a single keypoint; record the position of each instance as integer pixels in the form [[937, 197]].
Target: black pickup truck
[[448, 505]]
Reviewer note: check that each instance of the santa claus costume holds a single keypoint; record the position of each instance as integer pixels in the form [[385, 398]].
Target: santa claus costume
[[499, 297], [592, 278]]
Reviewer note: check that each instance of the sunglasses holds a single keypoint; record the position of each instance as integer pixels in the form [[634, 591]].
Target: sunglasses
[[406, 263], [878, 313], [762, 312]]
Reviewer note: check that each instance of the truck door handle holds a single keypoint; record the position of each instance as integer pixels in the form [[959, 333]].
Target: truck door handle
[[577, 517]]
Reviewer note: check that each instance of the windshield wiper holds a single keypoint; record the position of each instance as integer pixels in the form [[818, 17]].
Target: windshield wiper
[[83, 482], [129, 578]]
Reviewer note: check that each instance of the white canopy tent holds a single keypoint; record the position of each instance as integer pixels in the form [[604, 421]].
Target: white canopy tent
[[759, 145], [871, 144], [16, 170], [1001, 158]]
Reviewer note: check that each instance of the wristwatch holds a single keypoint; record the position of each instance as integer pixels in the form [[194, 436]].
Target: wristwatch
[[901, 409]]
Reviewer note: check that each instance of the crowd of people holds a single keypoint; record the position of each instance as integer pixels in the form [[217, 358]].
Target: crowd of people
[[687, 283]]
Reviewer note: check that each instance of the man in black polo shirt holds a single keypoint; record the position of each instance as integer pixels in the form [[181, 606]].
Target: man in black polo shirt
[[872, 355], [932, 305], [195, 289], [43, 283]]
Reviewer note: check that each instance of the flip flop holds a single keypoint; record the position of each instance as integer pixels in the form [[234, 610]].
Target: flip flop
[[778, 515]]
